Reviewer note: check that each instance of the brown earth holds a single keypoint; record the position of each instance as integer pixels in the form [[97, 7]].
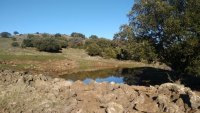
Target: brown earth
[[24, 93]]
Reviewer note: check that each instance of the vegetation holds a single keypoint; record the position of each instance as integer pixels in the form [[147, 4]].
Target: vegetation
[[58, 35], [15, 44], [166, 31], [80, 35], [94, 50], [15, 32], [173, 27], [93, 37], [45, 42], [5, 35]]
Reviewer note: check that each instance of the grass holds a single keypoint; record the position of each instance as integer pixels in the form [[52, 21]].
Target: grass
[[28, 58], [42, 58]]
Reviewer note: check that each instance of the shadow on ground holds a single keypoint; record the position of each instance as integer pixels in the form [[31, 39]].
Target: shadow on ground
[[152, 76]]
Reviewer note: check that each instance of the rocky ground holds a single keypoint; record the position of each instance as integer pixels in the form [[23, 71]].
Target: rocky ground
[[24, 93]]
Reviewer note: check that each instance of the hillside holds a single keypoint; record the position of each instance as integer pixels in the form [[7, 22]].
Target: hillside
[[68, 61]]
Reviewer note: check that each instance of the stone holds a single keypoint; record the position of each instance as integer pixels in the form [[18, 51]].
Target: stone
[[114, 108]]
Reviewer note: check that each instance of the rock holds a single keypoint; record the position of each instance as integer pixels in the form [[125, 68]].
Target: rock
[[114, 108], [194, 100], [23, 92], [166, 106]]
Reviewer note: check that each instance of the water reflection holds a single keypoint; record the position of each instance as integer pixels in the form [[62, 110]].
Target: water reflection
[[135, 76]]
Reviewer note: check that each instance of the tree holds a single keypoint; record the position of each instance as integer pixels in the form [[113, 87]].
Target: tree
[[5, 35], [170, 25], [57, 35], [79, 35], [93, 37], [15, 32]]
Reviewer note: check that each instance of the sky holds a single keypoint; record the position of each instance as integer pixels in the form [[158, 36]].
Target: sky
[[90, 17]]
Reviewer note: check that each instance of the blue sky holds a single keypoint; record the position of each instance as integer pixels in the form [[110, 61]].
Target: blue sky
[[99, 17]]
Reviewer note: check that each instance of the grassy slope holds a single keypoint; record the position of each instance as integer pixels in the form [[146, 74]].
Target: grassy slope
[[70, 60]]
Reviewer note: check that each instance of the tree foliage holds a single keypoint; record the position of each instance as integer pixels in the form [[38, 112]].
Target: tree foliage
[[173, 26], [93, 37], [48, 44], [80, 35], [5, 35], [15, 32], [45, 42], [58, 35]]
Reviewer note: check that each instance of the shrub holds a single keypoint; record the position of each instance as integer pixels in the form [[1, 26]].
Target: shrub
[[109, 53], [29, 42], [48, 45], [14, 39], [94, 50], [76, 42], [15, 44]]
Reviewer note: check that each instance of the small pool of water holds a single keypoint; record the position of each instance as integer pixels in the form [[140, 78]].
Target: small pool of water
[[133, 76], [107, 79]]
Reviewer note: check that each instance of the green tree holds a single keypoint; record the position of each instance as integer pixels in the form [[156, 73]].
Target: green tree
[[57, 35], [15, 32], [5, 34], [79, 35], [93, 37], [170, 25]]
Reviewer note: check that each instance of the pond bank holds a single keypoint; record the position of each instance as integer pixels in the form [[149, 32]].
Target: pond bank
[[22, 92]]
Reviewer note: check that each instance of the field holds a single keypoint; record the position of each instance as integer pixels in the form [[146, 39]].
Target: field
[[68, 61]]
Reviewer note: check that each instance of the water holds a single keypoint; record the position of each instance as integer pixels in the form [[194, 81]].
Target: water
[[131, 76], [145, 76]]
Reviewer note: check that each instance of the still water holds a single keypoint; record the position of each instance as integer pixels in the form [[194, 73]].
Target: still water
[[134, 76], [131, 76]]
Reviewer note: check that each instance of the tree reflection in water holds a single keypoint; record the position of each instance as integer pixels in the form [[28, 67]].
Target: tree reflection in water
[[135, 76]]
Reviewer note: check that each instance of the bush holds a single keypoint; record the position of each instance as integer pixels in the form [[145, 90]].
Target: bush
[[109, 53], [29, 42], [48, 45], [76, 42], [94, 50], [15, 44], [14, 39]]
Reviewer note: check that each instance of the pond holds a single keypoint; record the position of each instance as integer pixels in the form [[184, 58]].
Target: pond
[[133, 76]]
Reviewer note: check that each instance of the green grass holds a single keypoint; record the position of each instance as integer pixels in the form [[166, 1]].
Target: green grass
[[7, 57], [26, 57]]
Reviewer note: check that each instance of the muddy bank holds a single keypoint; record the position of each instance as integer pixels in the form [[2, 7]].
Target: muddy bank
[[24, 93]]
